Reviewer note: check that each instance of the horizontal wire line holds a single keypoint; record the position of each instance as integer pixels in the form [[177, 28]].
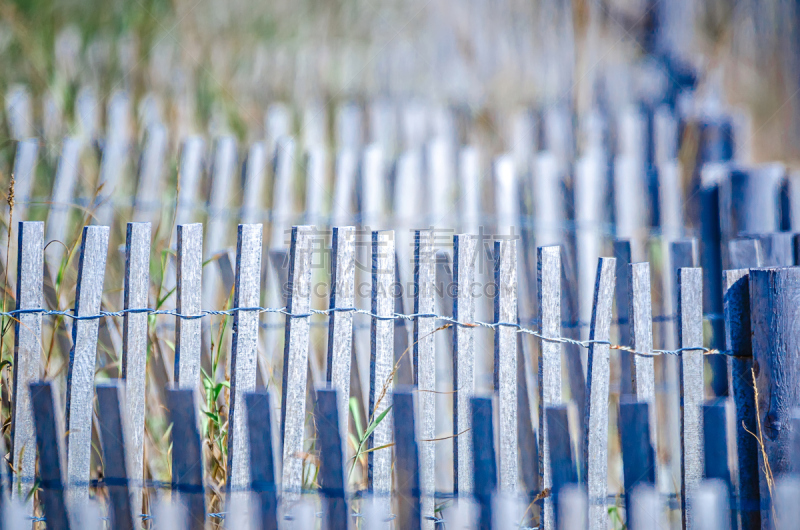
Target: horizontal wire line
[[395, 316]]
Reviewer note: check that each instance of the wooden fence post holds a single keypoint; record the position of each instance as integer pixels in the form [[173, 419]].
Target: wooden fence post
[[737, 328], [595, 444], [295, 360], [187, 460], [690, 326], [773, 313], [48, 443], [484, 468], [82, 358], [134, 348], [638, 456], [262, 462], [27, 337], [124, 514], [187, 331], [549, 280], [424, 366], [408, 491]]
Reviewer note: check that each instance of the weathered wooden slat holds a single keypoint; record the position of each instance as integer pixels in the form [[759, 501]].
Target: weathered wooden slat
[[332, 466], [745, 253], [61, 200], [648, 510], [113, 429], [526, 434], [711, 260], [774, 313], [595, 444], [27, 353], [340, 329], [316, 183], [641, 315], [562, 462], [407, 488], [737, 330], [82, 357], [710, 506], [622, 253], [549, 281], [484, 468], [187, 331], [295, 360], [505, 361], [262, 463], [715, 450], [134, 347], [187, 456], [573, 507], [690, 326], [253, 193], [244, 349], [48, 443], [382, 363], [638, 457], [192, 151], [424, 363], [777, 249]]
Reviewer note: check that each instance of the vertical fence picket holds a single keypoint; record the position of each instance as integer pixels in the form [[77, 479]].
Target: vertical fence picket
[[190, 173], [595, 444], [424, 363], [484, 465], [187, 331], [690, 322], [340, 329], [113, 429], [505, 360], [218, 213], [736, 305], [622, 253], [328, 419], [641, 315], [638, 457], [562, 461], [715, 449], [295, 360], [244, 349], [187, 459], [549, 280], [27, 338], [262, 461], [255, 167], [61, 200], [408, 492], [48, 443], [134, 347], [80, 378], [745, 253], [382, 363], [147, 205]]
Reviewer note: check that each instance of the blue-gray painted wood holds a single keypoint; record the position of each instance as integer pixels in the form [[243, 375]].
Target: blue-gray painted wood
[[407, 485], [777, 249], [332, 466], [48, 443], [711, 260], [715, 448], [484, 464], [622, 253], [111, 408], [710, 506], [562, 462], [745, 253], [187, 456], [262, 458], [737, 331], [526, 433], [186, 372], [750, 199], [638, 457]]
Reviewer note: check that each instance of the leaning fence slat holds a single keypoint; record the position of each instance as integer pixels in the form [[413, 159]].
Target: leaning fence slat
[[48, 443], [262, 463], [562, 461], [715, 448], [80, 378], [690, 326], [244, 348], [187, 331], [484, 468], [115, 458], [736, 305], [464, 256], [408, 492], [340, 329], [622, 253], [505, 360], [295, 360], [27, 338], [382, 363], [331, 470], [134, 346], [424, 370], [187, 458], [638, 457], [549, 280], [595, 445]]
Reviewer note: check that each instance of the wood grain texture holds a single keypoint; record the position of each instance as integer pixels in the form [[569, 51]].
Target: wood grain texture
[[82, 357], [641, 315], [595, 444], [332, 466], [187, 463], [187, 331], [111, 408], [262, 459]]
